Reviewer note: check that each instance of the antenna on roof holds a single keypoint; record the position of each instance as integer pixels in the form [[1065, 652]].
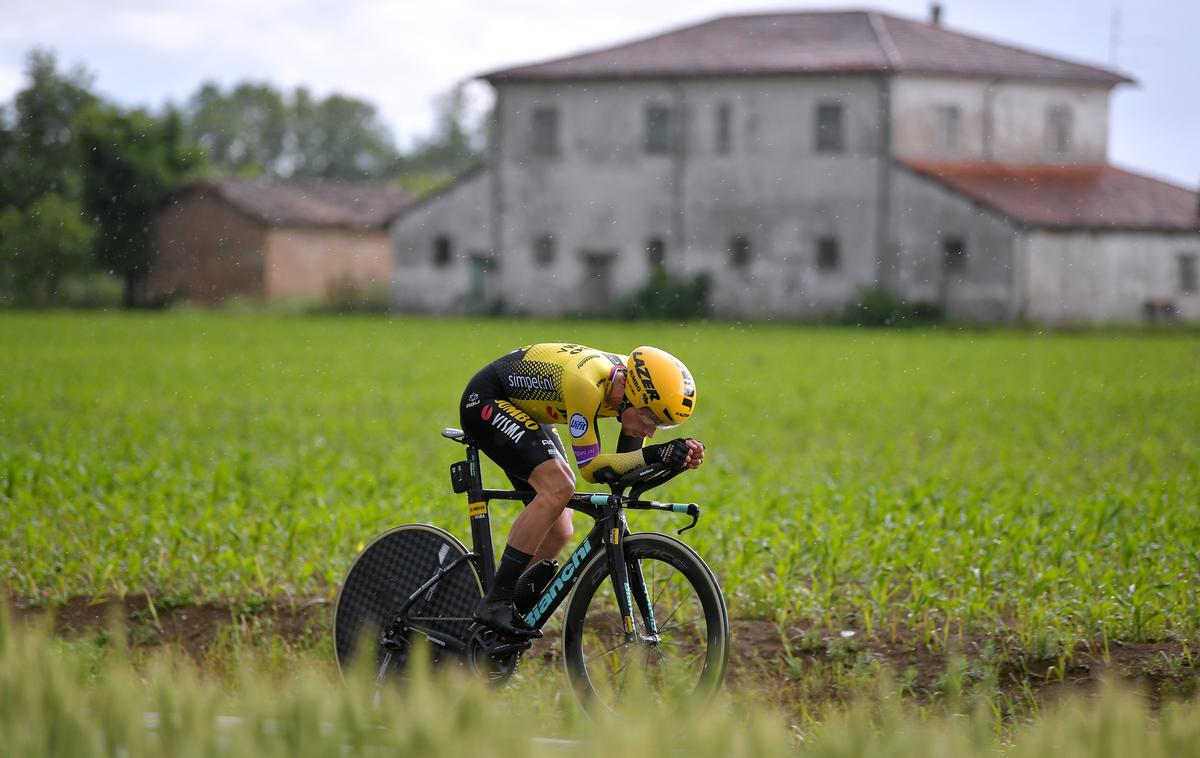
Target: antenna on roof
[[935, 14], [1114, 35]]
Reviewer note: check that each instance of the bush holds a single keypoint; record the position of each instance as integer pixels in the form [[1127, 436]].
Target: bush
[[40, 247], [344, 295], [875, 306], [664, 296], [95, 290]]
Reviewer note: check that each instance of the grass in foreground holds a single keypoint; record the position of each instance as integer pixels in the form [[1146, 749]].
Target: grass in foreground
[[60, 699]]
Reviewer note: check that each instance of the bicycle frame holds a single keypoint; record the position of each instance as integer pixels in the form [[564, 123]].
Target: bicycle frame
[[608, 533]]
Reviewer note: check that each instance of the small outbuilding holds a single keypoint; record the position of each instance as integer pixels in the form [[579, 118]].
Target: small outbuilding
[[216, 239]]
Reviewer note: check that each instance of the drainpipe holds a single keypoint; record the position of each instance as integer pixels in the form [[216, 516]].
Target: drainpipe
[[885, 273], [679, 155], [989, 115], [496, 159]]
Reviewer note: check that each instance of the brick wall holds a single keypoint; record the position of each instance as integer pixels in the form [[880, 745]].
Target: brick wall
[[204, 250], [307, 261]]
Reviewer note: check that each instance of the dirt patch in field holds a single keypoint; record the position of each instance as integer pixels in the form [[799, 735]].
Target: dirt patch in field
[[195, 629], [815, 666], [810, 667]]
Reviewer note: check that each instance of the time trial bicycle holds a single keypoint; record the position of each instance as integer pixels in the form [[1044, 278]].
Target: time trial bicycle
[[641, 602]]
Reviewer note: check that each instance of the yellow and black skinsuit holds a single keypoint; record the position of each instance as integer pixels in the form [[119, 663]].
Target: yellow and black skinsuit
[[509, 407]]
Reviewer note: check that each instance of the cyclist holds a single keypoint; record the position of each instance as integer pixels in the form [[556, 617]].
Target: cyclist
[[508, 409]]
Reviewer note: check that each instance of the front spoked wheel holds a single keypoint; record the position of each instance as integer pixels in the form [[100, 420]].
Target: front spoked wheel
[[681, 629]]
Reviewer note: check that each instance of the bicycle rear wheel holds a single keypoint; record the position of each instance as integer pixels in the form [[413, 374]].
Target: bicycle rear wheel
[[685, 661], [382, 578]]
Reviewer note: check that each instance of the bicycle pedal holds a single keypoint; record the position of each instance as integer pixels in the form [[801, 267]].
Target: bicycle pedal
[[493, 643], [507, 647], [531, 583]]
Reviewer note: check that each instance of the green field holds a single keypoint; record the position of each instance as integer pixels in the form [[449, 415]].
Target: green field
[[947, 482]]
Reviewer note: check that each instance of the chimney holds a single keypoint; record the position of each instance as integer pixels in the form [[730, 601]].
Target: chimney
[[935, 14]]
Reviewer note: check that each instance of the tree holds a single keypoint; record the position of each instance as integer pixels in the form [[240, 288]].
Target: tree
[[255, 129], [456, 144], [131, 161], [40, 246], [243, 132], [38, 145]]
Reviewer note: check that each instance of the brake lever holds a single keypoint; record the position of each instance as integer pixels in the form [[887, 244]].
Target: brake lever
[[693, 510]]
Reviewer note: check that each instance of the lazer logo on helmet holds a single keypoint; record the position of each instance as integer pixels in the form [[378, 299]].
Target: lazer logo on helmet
[[564, 575], [643, 375], [530, 382]]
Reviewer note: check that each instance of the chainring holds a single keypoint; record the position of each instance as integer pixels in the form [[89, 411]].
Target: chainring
[[494, 669]]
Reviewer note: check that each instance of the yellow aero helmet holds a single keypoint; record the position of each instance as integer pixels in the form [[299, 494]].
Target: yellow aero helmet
[[657, 380]]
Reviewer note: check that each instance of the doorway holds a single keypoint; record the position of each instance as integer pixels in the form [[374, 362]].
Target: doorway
[[596, 292]]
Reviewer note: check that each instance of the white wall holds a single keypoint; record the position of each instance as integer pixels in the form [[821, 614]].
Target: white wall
[[604, 193], [1090, 278], [1003, 122], [463, 213], [923, 214]]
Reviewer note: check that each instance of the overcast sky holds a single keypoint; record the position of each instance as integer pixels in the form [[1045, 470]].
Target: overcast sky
[[399, 54]]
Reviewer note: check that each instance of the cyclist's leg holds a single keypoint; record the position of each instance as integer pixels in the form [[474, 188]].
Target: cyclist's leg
[[526, 450], [545, 524], [561, 529]]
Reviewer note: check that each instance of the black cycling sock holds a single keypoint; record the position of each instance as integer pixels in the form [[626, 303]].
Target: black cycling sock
[[512, 563]]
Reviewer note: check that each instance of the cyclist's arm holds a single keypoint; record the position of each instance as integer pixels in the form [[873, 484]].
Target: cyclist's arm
[[627, 443], [583, 403]]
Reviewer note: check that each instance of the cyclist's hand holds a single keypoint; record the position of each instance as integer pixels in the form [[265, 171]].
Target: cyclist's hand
[[677, 454]]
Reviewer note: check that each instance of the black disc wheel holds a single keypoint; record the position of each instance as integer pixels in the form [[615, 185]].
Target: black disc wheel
[[380, 581], [680, 643]]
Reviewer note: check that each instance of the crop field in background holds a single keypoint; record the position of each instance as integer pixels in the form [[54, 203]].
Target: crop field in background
[[923, 535], [936, 483]]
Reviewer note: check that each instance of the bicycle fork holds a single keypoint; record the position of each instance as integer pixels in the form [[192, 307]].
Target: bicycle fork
[[630, 587]]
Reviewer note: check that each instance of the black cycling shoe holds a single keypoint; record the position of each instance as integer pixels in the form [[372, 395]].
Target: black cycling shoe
[[502, 616]]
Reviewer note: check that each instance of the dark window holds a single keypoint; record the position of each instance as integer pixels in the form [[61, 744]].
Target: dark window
[[545, 131], [658, 129], [739, 251], [829, 257], [948, 117], [543, 249], [724, 128], [1058, 129], [442, 251], [954, 254], [656, 251], [1189, 277], [829, 128]]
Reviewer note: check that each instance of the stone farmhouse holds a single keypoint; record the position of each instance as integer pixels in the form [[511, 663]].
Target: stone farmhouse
[[215, 239], [796, 158]]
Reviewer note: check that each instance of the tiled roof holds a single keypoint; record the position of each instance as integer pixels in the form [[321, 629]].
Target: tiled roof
[[823, 42], [351, 205], [1070, 197]]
